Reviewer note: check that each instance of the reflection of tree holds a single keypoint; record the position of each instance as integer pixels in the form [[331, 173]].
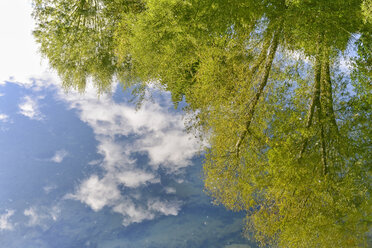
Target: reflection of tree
[[289, 138]]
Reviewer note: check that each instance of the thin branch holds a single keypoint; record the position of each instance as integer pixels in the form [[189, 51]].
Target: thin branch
[[262, 84], [327, 88], [315, 98], [322, 118]]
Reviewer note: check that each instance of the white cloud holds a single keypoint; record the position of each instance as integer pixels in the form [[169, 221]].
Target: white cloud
[[95, 162], [136, 178], [171, 149], [19, 57], [165, 207], [97, 193], [170, 190], [114, 153], [20, 61], [122, 132], [159, 133], [54, 213], [4, 117], [34, 217], [41, 216], [132, 213], [49, 188], [5, 224], [29, 107], [135, 213], [59, 156]]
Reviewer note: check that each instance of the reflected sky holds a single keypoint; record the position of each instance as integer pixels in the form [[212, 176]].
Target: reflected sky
[[81, 171]]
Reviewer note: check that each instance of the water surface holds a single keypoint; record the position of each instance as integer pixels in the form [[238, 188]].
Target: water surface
[[81, 171]]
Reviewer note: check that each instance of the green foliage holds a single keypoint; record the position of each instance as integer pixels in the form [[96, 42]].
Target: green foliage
[[367, 10], [76, 36], [288, 128]]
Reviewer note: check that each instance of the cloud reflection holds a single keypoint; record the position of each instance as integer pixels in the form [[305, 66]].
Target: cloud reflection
[[124, 133], [41, 216], [5, 223], [29, 108], [4, 118], [59, 156]]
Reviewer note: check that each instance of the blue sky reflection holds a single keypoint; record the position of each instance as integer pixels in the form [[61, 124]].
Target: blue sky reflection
[[81, 171]]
